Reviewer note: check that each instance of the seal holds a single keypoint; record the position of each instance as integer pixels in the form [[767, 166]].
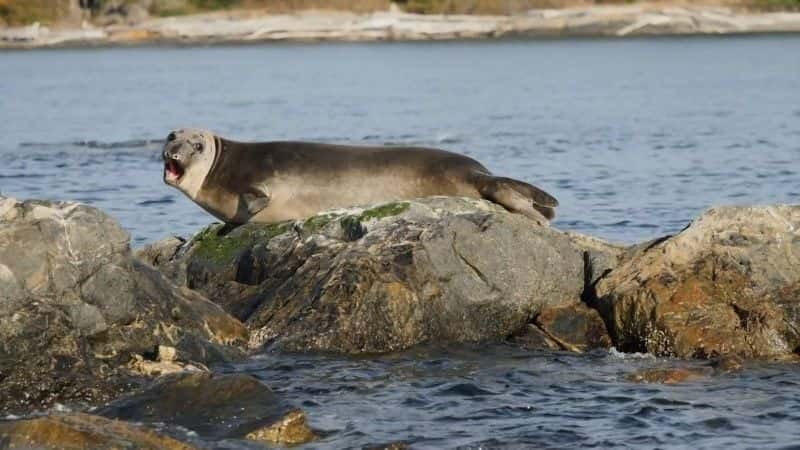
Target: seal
[[272, 182]]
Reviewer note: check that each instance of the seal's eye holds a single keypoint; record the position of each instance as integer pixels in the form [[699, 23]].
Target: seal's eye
[[198, 146], [171, 137]]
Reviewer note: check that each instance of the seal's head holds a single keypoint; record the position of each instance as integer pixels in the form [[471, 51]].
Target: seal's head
[[188, 157]]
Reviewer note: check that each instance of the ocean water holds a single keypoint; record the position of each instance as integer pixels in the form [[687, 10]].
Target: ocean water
[[634, 137]]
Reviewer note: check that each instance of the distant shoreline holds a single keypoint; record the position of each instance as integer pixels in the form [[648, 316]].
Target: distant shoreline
[[319, 26]]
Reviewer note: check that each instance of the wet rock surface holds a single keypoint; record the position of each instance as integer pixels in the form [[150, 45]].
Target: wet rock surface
[[391, 276], [76, 309], [78, 431], [729, 284], [573, 327], [291, 429], [215, 406]]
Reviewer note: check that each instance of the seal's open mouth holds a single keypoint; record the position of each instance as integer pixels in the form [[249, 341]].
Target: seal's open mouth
[[172, 170]]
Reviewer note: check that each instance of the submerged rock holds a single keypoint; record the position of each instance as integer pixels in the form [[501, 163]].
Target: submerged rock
[[391, 276], [669, 375], [215, 407], [79, 432], [729, 284], [292, 429], [76, 308]]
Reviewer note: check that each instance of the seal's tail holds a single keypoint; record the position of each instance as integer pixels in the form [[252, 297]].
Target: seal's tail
[[517, 196]]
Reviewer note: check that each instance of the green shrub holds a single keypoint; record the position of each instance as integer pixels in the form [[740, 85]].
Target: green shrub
[[24, 12], [793, 5]]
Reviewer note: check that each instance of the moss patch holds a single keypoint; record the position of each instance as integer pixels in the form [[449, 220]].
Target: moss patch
[[209, 245], [316, 223], [387, 210]]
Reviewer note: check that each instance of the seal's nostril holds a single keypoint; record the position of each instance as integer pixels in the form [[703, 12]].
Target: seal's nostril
[[171, 137]]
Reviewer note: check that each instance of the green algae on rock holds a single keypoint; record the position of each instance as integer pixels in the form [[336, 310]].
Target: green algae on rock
[[222, 248], [383, 211]]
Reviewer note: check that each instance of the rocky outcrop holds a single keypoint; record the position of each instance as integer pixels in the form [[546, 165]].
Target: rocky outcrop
[[455, 270], [395, 275], [729, 284], [76, 309], [82, 320]]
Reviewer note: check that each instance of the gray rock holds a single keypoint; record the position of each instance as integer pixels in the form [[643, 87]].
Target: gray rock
[[729, 284], [391, 276], [160, 252], [76, 307]]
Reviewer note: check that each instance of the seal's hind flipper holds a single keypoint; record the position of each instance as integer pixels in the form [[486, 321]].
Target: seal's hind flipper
[[518, 196]]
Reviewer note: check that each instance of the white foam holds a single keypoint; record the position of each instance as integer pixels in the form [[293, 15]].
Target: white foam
[[614, 353]]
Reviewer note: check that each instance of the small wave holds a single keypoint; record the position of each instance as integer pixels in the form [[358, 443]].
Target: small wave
[[95, 144], [158, 201], [445, 138], [389, 139], [663, 401], [465, 389], [718, 423], [22, 175], [632, 422]]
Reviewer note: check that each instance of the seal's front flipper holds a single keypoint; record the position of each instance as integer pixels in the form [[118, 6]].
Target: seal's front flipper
[[250, 204], [255, 202], [227, 228], [518, 196]]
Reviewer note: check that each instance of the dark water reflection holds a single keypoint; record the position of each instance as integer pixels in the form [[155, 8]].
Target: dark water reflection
[[635, 137]]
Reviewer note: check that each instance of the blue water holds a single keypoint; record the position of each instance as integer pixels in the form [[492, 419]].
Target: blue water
[[634, 137]]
